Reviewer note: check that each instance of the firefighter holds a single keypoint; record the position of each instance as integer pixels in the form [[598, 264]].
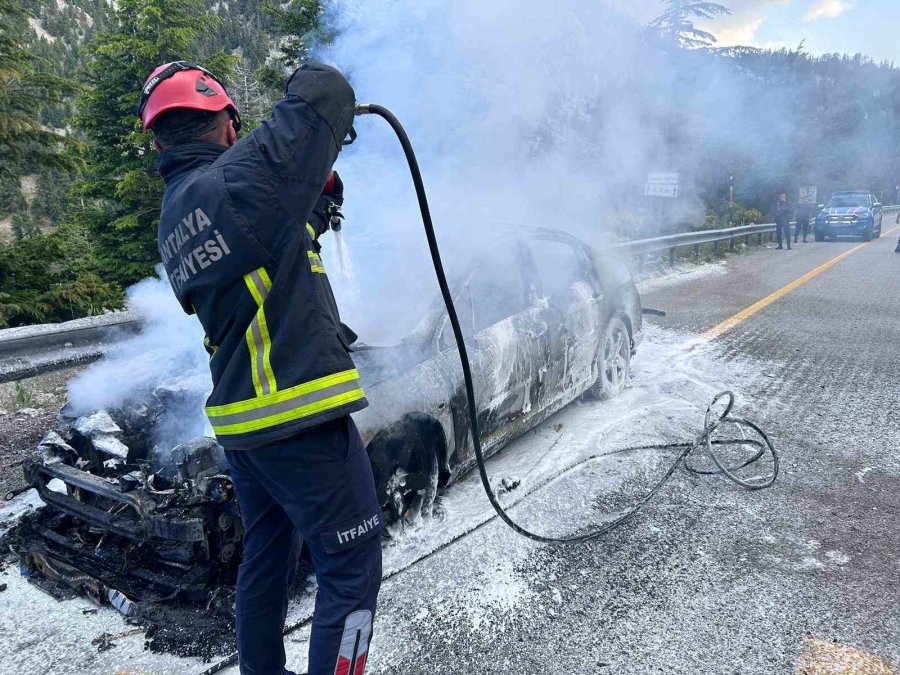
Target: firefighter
[[239, 238], [783, 220]]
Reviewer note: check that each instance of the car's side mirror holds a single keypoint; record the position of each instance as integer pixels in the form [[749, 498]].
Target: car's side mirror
[[876, 205], [821, 206]]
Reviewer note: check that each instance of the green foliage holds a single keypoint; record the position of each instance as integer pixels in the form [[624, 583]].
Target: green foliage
[[300, 24], [48, 278], [51, 196], [241, 28], [102, 221], [676, 24], [24, 93], [24, 225], [11, 198], [22, 397], [119, 198], [748, 217]]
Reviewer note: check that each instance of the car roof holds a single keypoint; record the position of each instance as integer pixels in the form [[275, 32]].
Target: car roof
[[852, 192]]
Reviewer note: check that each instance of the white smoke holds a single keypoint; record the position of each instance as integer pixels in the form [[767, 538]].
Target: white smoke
[[522, 113], [167, 351]]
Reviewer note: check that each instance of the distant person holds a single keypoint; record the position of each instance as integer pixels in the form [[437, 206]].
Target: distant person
[[803, 213], [897, 201], [783, 220]]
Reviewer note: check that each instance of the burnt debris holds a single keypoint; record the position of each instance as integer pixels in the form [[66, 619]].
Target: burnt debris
[[154, 532]]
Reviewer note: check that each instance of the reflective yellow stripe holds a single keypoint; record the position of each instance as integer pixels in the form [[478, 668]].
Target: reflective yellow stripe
[[311, 230], [302, 400], [265, 278], [255, 357], [289, 415], [315, 262], [258, 339], [287, 394], [267, 350]]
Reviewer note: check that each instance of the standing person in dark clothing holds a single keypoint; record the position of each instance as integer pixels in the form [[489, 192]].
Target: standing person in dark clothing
[[803, 212], [783, 220], [239, 236]]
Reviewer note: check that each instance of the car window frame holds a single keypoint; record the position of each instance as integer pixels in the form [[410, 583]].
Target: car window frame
[[585, 264], [527, 274]]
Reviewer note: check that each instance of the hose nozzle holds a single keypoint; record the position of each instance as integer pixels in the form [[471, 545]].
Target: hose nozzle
[[363, 109]]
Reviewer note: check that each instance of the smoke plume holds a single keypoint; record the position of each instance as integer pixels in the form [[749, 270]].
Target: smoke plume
[[523, 114], [167, 352]]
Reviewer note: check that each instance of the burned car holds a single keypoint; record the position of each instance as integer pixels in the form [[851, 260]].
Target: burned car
[[546, 319]]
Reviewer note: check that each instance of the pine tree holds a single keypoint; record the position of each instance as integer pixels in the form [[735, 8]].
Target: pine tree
[[24, 93], [676, 24], [300, 22], [249, 95], [120, 198], [49, 278]]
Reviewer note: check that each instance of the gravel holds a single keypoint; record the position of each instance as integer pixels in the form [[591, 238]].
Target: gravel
[[28, 410]]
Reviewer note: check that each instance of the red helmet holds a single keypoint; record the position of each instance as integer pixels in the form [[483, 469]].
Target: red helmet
[[183, 85]]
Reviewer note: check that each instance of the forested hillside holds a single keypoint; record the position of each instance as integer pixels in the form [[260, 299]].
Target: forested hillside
[[76, 231], [79, 196]]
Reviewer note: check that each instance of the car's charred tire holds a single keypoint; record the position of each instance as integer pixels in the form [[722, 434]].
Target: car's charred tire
[[867, 235], [878, 232], [409, 492], [820, 236], [613, 360]]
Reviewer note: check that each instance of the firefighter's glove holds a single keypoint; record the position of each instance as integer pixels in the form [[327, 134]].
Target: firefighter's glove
[[335, 199], [328, 93]]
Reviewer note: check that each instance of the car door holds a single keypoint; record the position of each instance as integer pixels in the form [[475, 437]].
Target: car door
[[575, 300], [507, 341]]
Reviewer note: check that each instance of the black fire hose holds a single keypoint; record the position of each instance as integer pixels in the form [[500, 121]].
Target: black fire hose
[[705, 439]]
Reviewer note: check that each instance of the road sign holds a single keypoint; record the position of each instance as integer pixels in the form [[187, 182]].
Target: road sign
[[656, 190], [662, 185], [808, 194]]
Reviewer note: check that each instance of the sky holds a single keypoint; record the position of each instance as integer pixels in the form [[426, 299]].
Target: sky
[[851, 26]]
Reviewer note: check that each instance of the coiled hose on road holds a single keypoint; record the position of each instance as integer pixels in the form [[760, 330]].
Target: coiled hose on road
[[760, 445]]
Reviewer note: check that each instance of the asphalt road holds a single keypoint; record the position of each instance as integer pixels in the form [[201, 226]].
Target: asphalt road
[[710, 578]]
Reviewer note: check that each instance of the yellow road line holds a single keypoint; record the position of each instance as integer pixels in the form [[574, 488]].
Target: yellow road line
[[745, 314]]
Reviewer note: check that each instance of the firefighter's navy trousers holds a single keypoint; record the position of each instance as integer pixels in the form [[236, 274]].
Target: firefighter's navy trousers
[[317, 486]]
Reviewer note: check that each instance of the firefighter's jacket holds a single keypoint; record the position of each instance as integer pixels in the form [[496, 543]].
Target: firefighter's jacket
[[237, 237]]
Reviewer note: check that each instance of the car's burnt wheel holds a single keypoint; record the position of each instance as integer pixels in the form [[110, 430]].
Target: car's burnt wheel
[[613, 360], [867, 235], [409, 492], [820, 236]]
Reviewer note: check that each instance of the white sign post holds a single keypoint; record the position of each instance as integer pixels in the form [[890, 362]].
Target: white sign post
[[662, 185], [808, 194]]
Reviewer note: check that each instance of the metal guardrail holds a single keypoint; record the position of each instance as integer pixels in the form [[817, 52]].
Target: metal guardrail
[[33, 350], [672, 242], [643, 247]]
